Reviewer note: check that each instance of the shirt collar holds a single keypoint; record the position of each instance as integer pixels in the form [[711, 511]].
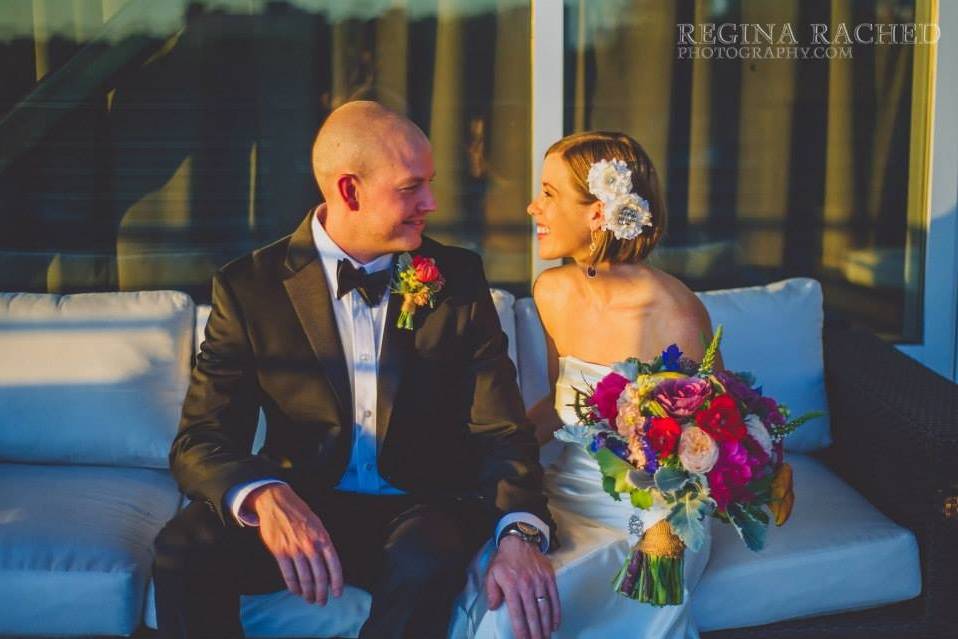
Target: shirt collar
[[330, 253]]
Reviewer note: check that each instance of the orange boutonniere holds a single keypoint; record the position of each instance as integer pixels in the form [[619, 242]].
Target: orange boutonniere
[[418, 280]]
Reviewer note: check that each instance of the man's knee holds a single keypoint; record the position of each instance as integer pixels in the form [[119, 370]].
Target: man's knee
[[429, 551], [189, 541]]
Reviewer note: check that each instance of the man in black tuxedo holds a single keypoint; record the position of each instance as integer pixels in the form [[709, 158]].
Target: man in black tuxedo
[[391, 455]]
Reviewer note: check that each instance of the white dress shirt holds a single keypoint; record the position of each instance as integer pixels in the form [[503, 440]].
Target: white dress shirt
[[361, 330]]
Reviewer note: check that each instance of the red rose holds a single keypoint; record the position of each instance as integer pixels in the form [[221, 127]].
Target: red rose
[[722, 420], [664, 435], [426, 269]]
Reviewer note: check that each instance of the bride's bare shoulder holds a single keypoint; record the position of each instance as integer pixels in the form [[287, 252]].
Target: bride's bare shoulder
[[688, 319], [672, 289], [553, 283]]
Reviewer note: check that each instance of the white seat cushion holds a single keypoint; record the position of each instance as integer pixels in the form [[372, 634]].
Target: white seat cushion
[[283, 614], [837, 553], [76, 545], [78, 370]]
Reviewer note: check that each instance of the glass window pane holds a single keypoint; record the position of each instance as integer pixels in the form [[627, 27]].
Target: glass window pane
[[780, 163], [143, 143]]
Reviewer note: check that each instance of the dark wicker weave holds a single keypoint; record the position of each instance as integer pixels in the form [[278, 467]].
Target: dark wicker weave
[[895, 430]]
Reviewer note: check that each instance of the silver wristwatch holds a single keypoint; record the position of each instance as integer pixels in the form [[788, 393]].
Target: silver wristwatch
[[525, 532]]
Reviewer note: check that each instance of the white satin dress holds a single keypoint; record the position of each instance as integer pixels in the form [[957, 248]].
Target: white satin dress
[[594, 543]]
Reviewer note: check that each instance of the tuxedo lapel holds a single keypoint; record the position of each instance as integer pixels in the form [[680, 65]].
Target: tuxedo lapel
[[309, 293], [398, 347], [398, 344]]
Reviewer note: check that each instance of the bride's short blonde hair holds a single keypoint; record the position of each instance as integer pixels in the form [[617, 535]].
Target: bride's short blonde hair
[[580, 151]]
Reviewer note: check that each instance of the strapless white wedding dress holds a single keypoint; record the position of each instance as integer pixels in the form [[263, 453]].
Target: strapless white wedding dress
[[594, 544]]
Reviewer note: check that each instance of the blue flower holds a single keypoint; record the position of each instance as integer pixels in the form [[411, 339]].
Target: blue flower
[[670, 358], [598, 441], [618, 447]]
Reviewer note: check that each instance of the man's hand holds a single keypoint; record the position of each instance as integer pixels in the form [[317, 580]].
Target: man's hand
[[522, 576], [299, 541]]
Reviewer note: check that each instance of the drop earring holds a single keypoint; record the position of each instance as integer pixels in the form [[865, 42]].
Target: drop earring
[[593, 245]]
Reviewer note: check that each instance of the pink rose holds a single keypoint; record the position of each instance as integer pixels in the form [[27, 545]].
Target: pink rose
[[682, 397], [426, 269], [731, 474], [606, 396]]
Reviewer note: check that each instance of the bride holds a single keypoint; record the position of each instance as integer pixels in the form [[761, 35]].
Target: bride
[[603, 306]]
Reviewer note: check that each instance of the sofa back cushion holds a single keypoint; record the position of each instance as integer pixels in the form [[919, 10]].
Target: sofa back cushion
[[93, 378], [773, 331], [505, 303]]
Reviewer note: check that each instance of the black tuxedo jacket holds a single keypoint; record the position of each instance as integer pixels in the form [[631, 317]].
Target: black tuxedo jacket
[[450, 420]]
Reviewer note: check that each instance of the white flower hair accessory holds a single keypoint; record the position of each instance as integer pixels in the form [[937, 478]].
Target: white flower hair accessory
[[624, 212]]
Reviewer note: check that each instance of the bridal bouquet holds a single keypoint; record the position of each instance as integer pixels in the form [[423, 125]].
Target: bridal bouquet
[[683, 443]]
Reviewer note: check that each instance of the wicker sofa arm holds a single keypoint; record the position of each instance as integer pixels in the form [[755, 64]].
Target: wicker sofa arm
[[894, 422], [895, 432]]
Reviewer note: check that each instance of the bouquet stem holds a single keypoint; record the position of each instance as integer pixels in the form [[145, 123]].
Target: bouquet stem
[[654, 571], [406, 312]]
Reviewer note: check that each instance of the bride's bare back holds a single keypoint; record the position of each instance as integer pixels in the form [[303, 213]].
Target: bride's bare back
[[628, 310]]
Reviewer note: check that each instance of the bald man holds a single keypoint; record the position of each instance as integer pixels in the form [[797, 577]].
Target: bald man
[[391, 455]]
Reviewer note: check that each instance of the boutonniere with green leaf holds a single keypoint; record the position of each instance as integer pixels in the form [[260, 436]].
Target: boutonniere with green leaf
[[418, 280]]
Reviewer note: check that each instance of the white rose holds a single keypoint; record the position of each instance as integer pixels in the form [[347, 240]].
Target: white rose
[[626, 215], [697, 450], [759, 433], [609, 179]]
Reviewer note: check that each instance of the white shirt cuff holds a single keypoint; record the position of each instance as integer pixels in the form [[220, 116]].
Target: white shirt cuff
[[238, 494], [526, 518]]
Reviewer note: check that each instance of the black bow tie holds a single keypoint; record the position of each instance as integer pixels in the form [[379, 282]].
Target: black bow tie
[[370, 286]]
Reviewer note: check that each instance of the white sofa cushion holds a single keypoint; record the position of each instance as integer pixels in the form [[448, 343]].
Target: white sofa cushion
[[775, 332], [283, 614], [78, 372], [533, 374], [76, 545], [837, 553]]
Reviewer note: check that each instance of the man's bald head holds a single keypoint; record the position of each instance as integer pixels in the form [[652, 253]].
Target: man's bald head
[[357, 138]]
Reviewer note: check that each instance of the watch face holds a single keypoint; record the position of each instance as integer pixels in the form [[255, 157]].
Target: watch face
[[526, 529]]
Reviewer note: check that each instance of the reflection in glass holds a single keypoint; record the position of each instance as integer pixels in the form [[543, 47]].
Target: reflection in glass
[[143, 143], [772, 167]]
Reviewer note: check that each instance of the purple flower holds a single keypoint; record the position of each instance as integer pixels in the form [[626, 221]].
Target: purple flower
[[671, 357], [736, 387], [688, 366], [682, 397], [767, 409]]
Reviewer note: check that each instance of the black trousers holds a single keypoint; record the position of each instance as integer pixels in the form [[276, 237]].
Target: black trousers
[[410, 554]]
